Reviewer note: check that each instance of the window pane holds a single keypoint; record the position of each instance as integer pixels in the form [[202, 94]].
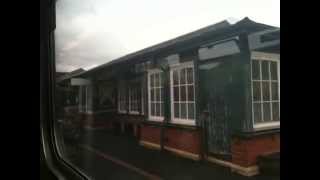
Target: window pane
[[175, 78], [275, 91], [255, 70], [190, 93], [274, 70], [162, 95], [265, 70], [176, 110], [183, 76], [158, 94], [161, 108], [256, 91], [152, 95], [176, 93], [266, 91], [275, 111], [157, 109], [153, 109], [183, 107], [189, 75], [157, 80], [257, 112], [266, 112], [191, 111], [162, 79], [183, 95], [152, 80]]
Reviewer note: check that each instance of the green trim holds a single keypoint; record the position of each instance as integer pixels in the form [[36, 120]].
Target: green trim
[[170, 125], [247, 135]]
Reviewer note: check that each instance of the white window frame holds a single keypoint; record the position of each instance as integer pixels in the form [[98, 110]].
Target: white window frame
[[181, 120], [150, 117], [260, 56], [120, 87], [130, 111]]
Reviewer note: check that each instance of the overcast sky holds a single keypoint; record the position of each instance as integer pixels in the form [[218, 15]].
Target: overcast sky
[[93, 32]]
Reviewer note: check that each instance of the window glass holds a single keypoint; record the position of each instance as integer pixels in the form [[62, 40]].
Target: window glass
[[267, 112], [275, 91], [183, 76], [257, 112], [183, 96], [275, 111], [175, 78], [256, 70], [265, 70], [191, 111], [183, 110], [189, 75], [256, 91], [266, 91], [176, 93], [274, 71], [190, 93], [176, 110]]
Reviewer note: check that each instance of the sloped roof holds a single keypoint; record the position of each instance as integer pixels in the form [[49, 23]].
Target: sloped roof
[[71, 74], [209, 31]]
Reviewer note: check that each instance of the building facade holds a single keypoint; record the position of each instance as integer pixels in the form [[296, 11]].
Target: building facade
[[213, 94]]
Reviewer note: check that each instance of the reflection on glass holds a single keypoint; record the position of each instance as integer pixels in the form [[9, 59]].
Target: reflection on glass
[[191, 111], [189, 75], [266, 111], [265, 70], [274, 71], [256, 70], [256, 91], [183, 107], [177, 110], [183, 91], [257, 112], [266, 91]]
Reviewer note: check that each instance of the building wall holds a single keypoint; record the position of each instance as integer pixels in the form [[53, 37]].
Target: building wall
[[245, 151], [150, 134], [185, 142]]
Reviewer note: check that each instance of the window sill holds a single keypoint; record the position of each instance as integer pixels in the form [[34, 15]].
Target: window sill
[[133, 113], [155, 120], [122, 112], [248, 135], [183, 122], [267, 126]]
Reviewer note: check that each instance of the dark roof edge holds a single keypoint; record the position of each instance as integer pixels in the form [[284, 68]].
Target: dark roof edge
[[245, 22]]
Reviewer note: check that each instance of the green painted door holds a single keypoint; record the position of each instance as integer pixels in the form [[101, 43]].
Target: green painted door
[[214, 80]]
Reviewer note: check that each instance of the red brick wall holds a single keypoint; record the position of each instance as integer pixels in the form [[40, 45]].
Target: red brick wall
[[245, 151], [181, 139], [150, 134]]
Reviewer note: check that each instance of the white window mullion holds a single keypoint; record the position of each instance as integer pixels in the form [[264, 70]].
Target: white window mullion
[[261, 91], [270, 89], [187, 98], [179, 102]]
